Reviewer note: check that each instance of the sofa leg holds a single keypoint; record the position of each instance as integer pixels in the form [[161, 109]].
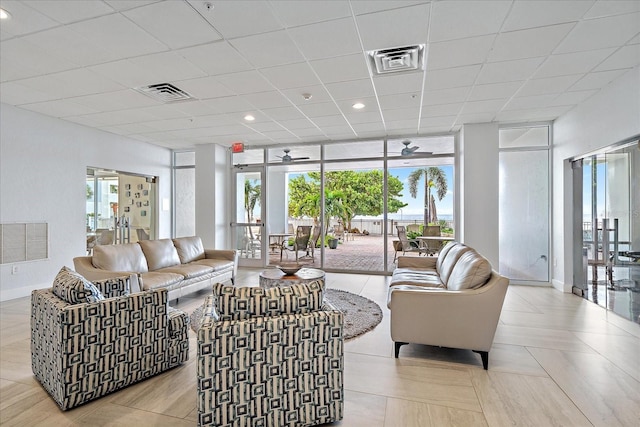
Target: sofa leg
[[484, 355], [398, 344]]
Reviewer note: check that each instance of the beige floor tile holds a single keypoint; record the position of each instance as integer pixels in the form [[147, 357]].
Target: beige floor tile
[[514, 359], [522, 400], [406, 413], [539, 337], [409, 378], [117, 415], [362, 410], [602, 391], [622, 351]]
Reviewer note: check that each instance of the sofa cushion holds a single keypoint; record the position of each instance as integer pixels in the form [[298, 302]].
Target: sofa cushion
[[189, 271], [155, 280], [127, 257], [189, 248], [470, 272], [241, 303], [72, 288], [159, 253], [450, 261], [216, 264], [442, 255], [407, 276]]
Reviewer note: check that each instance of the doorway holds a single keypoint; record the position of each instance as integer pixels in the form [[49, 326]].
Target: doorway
[[121, 207], [608, 257], [248, 226]]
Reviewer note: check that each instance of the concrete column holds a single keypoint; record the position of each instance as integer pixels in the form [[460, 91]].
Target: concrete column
[[212, 196], [479, 189]]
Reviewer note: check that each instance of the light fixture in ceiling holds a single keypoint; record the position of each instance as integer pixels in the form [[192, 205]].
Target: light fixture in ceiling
[[249, 118], [4, 14], [397, 59], [307, 96], [358, 106], [165, 92]]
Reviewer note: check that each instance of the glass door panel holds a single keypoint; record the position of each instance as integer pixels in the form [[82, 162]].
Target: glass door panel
[[248, 227]]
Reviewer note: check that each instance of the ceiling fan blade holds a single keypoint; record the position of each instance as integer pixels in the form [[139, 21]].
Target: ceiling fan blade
[[300, 158]]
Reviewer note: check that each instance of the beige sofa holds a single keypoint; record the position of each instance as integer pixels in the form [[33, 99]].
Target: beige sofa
[[179, 265], [452, 300]]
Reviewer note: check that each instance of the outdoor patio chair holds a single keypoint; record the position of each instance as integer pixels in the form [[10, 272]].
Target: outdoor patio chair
[[300, 243], [408, 245], [313, 241], [432, 246]]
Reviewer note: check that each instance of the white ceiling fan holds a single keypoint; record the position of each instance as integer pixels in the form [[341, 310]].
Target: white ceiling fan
[[288, 159]]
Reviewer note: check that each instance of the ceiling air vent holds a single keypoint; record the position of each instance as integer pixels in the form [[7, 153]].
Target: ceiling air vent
[[165, 92], [397, 59]]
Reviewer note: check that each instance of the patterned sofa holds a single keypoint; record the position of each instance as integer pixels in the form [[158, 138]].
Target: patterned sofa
[[269, 357], [180, 265], [90, 339]]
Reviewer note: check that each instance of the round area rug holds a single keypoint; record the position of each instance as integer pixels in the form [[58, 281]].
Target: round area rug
[[360, 314]]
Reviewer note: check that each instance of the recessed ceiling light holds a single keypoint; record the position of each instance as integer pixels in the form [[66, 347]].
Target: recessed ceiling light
[[249, 118], [4, 14], [358, 105], [307, 96]]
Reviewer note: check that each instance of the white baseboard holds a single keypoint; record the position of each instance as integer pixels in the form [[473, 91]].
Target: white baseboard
[[21, 292], [561, 286]]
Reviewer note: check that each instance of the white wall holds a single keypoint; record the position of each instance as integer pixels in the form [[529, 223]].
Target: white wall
[[43, 165], [612, 115], [478, 156]]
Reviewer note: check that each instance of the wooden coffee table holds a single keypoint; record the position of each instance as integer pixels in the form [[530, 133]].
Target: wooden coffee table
[[275, 277]]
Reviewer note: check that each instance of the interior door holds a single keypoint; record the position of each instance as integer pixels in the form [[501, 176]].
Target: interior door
[[248, 225]]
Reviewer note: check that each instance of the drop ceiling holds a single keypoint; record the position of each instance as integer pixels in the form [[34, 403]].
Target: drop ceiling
[[505, 61]]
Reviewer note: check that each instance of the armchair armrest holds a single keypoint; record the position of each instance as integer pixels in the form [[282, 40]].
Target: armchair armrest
[[84, 267]]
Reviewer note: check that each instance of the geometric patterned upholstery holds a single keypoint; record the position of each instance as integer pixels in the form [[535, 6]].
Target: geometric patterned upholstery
[[73, 288], [80, 352], [270, 371], [238, 303]]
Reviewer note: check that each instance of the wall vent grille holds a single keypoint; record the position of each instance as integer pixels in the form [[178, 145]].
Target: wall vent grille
[[397, 59], [165, 92], [23, 242]]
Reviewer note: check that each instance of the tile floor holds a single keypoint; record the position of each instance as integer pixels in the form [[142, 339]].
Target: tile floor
[[557, 359]]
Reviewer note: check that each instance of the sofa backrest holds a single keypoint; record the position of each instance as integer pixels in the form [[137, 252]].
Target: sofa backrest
[[128, 257], [189, 248], [159, 253], [450, 260], [471, 271]]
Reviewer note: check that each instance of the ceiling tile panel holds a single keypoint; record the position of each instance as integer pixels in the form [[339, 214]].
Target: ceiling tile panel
[[391, 115], [119, 35], [494, 91], [459, 19], [548, 85], [245, 82], [303, 12], [72, 83], [528, 43], [341, 68], [597, 80], [337, 120], [16, 94], [174, 23], [320, 109], [540, 13], [401, 100], [527, 102], [612, 7], [239, 17], [203, 88], [509, 71], [24, 19], [216, 58], [459, 52], [317, 92], [61, 108], [327, 39], [440, 110], [399, 83], [372, 116], [351, 89], [68, 11], [601, 33], [394, 28], [573, 98], [229, 104], [271, 99], [269, 49], [451, 77], [128, 4], [571, 63], [364, 7], [625, 57], [22, 59], [296, 124], [474, 118], [111, 101], [489, 106], [291, 76], [168, 66], [283, 113], [445, 96]]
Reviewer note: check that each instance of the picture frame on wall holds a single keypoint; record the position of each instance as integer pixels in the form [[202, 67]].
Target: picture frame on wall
[[143, 213], [140, 186], [139, 204], [127, 186], [127, 194], [145, 192], [145, 203], [127, 209]]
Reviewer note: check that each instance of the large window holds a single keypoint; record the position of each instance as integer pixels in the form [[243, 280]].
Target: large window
[[184, 180], [524, 203]]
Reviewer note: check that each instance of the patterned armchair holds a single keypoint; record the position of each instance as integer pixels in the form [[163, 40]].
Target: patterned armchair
[[88, 340], [269, 357]]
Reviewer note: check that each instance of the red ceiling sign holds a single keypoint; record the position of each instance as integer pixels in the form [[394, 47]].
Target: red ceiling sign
[[237, 147]]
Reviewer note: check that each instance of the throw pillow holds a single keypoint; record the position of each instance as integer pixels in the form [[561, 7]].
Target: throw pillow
[[233, 303], [71, 287]]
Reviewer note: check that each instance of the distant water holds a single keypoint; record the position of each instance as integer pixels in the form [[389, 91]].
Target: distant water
[[398, 216]]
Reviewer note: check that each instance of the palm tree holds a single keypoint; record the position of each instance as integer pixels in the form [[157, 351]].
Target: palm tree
[[251, 198], [434, 178]]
